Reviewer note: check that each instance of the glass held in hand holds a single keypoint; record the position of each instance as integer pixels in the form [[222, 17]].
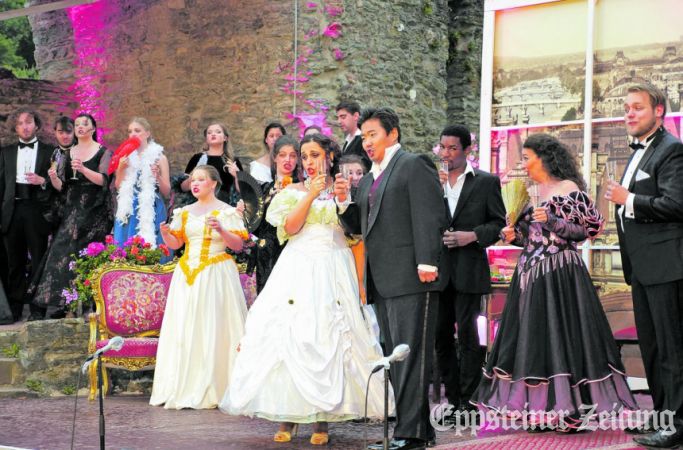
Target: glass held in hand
[[534, 192], [443, 167], [74, 173]]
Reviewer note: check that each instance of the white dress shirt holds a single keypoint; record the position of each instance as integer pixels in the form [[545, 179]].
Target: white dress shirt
[[626, 210], [453, 192], [350, 137], [26, 161]]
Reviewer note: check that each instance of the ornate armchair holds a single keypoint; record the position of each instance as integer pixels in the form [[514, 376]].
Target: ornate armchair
[[130, 302]]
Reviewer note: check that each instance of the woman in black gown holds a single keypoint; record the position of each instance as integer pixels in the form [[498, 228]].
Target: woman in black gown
[[217, 153], [285, 156], [554, 350], [86, 212]]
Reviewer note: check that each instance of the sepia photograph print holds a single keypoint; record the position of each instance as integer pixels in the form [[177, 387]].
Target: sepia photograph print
[[538, 79]]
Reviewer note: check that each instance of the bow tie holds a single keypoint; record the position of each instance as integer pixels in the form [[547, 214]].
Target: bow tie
[[636, 145], [26, 144]]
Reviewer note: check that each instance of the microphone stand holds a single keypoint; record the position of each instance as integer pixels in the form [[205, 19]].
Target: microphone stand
[[101, 398], [385, 440]]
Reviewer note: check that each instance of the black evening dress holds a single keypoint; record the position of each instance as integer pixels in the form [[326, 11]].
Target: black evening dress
[[227, 193], [268, 247], [87, 216], [554, 350]]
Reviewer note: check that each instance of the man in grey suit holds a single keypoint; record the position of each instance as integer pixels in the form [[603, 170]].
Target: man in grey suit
[[649, 215], [401, 216]]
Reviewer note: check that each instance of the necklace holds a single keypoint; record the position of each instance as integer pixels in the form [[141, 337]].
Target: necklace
[[324, 194]]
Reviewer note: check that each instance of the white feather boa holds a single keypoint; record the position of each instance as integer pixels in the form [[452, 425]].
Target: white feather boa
[[139, 177]]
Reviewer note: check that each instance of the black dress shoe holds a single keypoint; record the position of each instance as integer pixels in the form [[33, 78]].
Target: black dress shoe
[[404, 444], [662, 439], [647, 427]]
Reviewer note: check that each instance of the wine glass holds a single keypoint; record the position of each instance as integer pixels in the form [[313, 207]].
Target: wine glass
[[27, 169], [534, 192], [443, 166], [74, 175]]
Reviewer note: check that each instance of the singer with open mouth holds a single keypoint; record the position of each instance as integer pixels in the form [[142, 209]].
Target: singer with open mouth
[[309, 344]]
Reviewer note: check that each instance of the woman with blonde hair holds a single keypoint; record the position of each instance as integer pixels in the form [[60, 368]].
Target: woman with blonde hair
[[218, 153], [141, 180], [205, 310]]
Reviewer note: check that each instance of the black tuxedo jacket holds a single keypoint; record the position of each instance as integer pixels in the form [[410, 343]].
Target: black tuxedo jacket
[[355, 147], [651, 244], [8, 177], [404, 227], [480, 209]]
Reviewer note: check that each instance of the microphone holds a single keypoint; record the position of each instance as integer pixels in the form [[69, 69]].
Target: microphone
[[115, 343], [400, 353]]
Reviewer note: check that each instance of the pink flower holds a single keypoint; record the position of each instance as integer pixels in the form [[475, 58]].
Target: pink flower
[[86, 282], [338, 54], [311, 5], [109, 239], [333, 30], [94, 249]]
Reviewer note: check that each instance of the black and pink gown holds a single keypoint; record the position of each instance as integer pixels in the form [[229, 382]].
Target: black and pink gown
[[554, 349]]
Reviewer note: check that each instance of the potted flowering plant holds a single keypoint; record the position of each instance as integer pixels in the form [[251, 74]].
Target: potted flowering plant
[[134, 251]]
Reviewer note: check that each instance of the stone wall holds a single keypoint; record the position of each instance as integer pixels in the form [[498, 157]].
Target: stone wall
[[394, 54], [184, 63], [48, 98], [464, 62]]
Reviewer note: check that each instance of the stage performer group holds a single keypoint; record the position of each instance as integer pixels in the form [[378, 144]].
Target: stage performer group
[[358, 248]]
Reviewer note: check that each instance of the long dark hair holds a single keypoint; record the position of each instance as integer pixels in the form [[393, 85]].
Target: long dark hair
[[329, 145], [284, 141], [228, 156], [555, 157], [92, 121], [269, 127]]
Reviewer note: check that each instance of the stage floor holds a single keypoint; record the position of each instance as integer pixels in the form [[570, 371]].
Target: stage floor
[[45, 423]]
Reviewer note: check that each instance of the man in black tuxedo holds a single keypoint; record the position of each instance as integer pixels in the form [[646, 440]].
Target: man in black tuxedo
[[401, 216], [348, 113], [25, 195], [649, 204], [476, 214]]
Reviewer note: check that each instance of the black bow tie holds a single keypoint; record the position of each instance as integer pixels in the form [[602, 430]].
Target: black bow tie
[[635, 145], [26, 144]]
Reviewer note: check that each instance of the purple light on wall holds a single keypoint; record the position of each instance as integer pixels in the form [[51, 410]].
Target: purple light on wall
[[92, 39]]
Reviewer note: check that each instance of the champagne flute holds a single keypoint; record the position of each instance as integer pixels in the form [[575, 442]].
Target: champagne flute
[[443, 166], [534, 195], [27, 169], [74, 174]]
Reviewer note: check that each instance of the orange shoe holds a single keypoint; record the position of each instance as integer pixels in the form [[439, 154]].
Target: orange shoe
[[286, 436], [320, 438]]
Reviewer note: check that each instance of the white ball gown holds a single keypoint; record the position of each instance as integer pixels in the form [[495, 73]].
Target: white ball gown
[[309, 343], [204, 317]]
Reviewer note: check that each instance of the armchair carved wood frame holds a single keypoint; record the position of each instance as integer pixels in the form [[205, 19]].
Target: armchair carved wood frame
[[130, 302]]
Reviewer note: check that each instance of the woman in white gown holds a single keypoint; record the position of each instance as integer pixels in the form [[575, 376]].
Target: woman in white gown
[[308, 346], [205, 310]]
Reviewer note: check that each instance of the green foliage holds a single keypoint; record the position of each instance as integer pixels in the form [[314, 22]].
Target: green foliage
[[16, 43], [68, 390], [427, 8], [35, 385], [134, 251], [569, 115], [12, 351]]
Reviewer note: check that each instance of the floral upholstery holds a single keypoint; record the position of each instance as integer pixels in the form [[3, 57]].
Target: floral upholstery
[[130, 303], [134, 302]]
